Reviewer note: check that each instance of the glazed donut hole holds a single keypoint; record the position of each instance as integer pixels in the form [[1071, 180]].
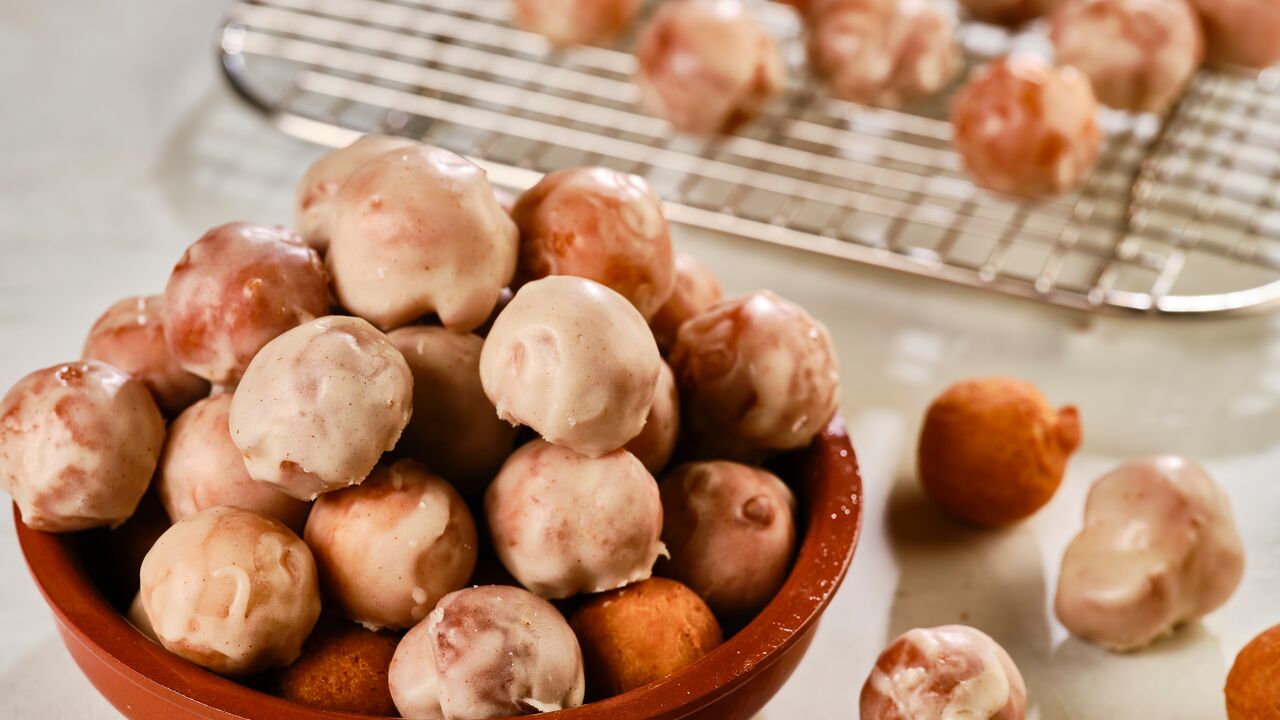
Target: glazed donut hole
[[418, 231], [231, 590], [137, 617], [506, 199], [757, 374], [1138, 54], [235, 290], [319, 185], [696, 289], [1024, 127], [641, 633], [706, 66], [884, 53], [1010, 13], [78, 445], [391, 547], [545, 539], [576, 22], [342, 667], [319, 406], [992, 451], [129, 336], [201, 468], [656, 443], [1159, 548], [574, 361], [1241, 33], [454, 428], [115, 556], [602, 225], [731, 534], [949, 671], [487, 652]]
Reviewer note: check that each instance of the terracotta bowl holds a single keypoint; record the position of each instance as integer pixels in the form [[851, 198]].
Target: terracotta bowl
[[144, 681]]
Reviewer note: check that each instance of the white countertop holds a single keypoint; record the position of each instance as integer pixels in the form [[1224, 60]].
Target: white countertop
[[120, 147]]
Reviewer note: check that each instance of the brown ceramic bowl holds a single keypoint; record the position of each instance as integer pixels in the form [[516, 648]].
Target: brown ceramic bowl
[[733, 682]]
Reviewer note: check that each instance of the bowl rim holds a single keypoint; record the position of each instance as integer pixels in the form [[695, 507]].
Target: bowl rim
[[827, 472]]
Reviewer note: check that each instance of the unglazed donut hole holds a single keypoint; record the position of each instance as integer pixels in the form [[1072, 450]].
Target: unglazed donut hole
[[319, 186], [885, 53], [235, 290], [487, 652], [201, 467], [390, 548], [78, 445], [343, 667], [231, 590], [599, 224], [706, 66], [1159, 548], [130, 337], [696, 289], [416, 231], [730, 530], [1026, 128], [1254, 681], [756, 374], [992, 451], [576, 22], [1138, 54], [319, 405], [641, 633], [546, 540], [953, 671], [454, 429], [573, 360]]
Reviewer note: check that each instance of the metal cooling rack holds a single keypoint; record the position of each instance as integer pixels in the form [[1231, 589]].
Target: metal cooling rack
[[1181, 217]]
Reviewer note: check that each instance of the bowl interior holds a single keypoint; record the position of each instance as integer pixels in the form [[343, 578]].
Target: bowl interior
[[89, 577]]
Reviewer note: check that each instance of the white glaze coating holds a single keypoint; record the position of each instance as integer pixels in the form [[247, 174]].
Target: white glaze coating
[[563, 523], [953, 672], [1138, 54], [202, 468], [236, 289], [706, 66], [454, 429], [78, 445], [487, 652], [1159, 547], [599, 224], [730, 529], [882, 52], [416, 231], [320, 404], [1024, 127], [573, 360], [755, 372], [576, 22], [231, 590], [314, 198], [389, 549], [129, 336]]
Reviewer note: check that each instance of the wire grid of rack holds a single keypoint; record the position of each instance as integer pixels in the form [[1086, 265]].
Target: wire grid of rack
[[1181, 217]]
